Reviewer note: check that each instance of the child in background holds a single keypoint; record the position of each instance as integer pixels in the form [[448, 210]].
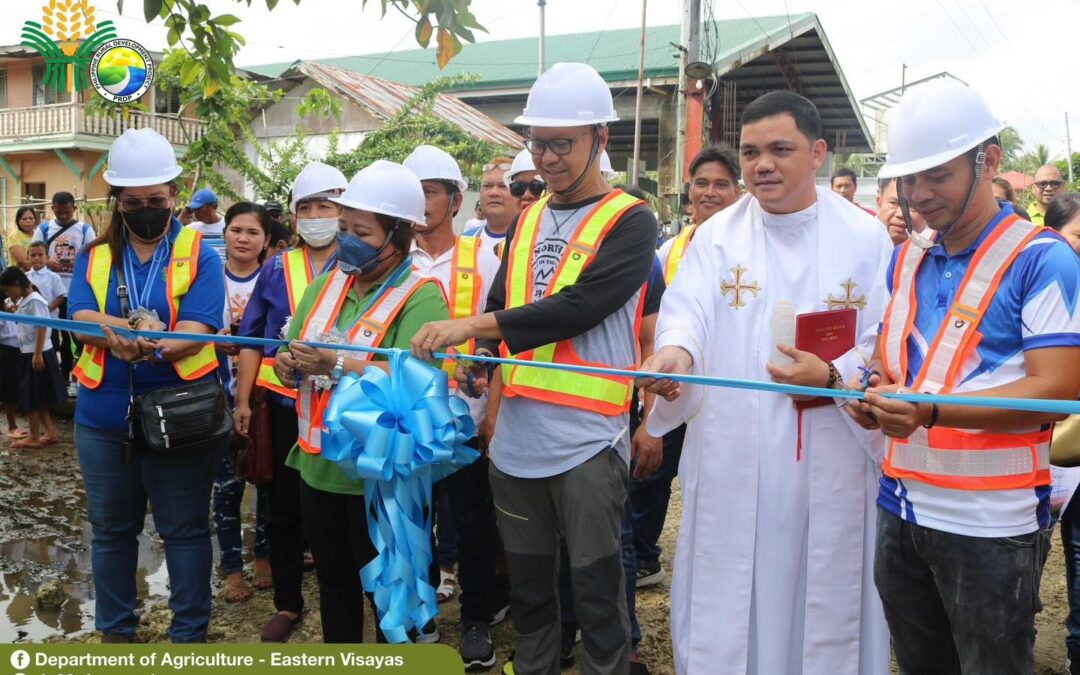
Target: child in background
[[9, 366], [39, 380], [47, 282]]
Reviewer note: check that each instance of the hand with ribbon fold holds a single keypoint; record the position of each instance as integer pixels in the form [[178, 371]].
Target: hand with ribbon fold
[[398, 432]]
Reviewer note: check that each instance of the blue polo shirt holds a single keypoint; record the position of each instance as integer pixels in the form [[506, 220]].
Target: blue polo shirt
[[106, 406], [268, 309], [1033, 308]]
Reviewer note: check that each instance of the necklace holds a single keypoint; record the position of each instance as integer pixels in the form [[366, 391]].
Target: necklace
[[569, 216]]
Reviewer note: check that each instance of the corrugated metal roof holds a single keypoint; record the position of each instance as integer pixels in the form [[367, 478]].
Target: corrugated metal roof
[[505, 63], [385, 98]]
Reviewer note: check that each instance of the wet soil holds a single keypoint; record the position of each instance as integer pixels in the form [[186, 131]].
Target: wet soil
[[44, 537]]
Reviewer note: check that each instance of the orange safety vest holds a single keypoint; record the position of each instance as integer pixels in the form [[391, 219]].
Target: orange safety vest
[[952, 458], [181, 272], [298, 274], [678, 249], [368, 331], [463, 296], [607, 395]]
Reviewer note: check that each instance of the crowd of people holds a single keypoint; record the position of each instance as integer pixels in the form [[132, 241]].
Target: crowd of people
[[817, 533]]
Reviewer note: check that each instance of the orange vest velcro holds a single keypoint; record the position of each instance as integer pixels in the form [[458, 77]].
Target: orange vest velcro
[[607, 395], [954, 458]]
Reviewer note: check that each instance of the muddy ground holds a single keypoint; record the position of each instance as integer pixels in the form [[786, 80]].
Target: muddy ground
[[44, 538]]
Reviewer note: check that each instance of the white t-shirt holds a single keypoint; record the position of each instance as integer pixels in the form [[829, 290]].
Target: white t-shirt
[[33, 305], [440, 268], [50, 285], [213, 235], [66, 246], [237, 293]]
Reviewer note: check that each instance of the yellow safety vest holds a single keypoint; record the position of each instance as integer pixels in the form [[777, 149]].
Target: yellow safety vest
[[298, 274], [181, 272], [598, 393], [678, 249], [463, 296]]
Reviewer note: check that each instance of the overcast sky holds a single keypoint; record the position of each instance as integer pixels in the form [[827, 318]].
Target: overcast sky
[[1020, 55]]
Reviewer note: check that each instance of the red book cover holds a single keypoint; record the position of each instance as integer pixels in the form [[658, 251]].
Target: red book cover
[[829, 335]]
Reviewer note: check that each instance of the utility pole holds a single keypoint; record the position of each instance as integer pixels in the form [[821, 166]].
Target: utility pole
[[634, 167], [542, 4], [1068, 148], [903, 77], [688, 39]]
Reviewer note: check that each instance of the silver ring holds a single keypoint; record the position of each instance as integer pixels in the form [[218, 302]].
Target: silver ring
[[428, 340]]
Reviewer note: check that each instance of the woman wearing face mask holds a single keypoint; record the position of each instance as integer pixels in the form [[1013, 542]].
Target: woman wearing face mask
[[375, 299], [172, 282], [281, 284]]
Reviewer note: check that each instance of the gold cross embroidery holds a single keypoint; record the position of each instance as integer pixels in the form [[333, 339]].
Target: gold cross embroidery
[[849, 300], [738, 287]]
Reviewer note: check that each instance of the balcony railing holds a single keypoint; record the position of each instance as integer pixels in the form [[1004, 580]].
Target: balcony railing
[[70, 119]]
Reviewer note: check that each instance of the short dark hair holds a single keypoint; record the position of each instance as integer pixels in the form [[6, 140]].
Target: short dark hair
[[37, 244], [1010, 193], [24, 210], [883, 183], [805, 113], [241, 208], [13, 276], [1062, 210], [716, 153], [844, 172], [63, 198]]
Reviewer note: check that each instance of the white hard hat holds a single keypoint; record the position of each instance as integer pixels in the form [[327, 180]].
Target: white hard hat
[[568, 95], [936, 122], [316, 179], [605, 165], [387, 188], [431, 163], [522, 162], [141, 157]]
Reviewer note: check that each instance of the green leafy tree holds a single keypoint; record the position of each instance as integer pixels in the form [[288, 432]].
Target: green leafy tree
[[1012, 148], [413, 125], [213, 42]]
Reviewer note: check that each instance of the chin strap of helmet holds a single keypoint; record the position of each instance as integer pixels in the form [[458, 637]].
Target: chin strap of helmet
[[594, 153], [924, 242]]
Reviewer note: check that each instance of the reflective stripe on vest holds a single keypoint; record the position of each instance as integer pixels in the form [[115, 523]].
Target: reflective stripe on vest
[[597, 393], [464, 293], [181, 272], [675, 255], [368, 331], [951, 458], [298, 275]]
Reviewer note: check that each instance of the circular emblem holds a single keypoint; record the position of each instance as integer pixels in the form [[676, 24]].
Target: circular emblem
[[464, 275], [367, 332], [121, 70], [576, 256]]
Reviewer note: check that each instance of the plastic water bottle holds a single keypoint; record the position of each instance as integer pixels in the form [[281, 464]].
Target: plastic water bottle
[[783, 331]]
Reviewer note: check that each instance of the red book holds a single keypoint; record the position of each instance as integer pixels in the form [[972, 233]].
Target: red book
[[829, 335]]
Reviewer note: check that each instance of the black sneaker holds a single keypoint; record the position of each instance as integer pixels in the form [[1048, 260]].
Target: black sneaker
[[1072, 661], [650, 574], [477, 648], [566, 648]]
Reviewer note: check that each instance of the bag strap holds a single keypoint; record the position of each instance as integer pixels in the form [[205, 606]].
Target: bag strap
[[63, 229]]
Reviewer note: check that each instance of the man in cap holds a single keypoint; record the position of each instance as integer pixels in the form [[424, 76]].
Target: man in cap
[[204, 206], [570, 289], [986, 308], [772, 568], [466, 269], [1048, 184]]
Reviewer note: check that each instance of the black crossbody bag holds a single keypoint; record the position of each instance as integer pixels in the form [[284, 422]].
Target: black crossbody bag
[[188, 418]]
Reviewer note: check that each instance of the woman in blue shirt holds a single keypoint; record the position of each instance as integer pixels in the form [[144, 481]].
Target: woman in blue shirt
[[144, 241]]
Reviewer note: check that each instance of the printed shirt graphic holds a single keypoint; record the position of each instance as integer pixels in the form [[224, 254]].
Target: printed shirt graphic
[[238, 291], [1034, 307], [546, 258], [65, 247]]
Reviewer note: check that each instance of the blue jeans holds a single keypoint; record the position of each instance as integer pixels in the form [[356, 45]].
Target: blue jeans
[[178, 488], [1070, 540], [649, 499], [957, 604], [228, 497]]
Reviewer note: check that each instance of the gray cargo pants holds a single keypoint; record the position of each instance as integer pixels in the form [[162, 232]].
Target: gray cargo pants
[[584, 505]]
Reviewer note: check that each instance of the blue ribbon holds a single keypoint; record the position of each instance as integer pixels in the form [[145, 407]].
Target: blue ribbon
[[399, 433]]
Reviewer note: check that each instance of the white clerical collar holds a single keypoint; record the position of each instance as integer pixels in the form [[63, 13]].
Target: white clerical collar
[[796, 218]]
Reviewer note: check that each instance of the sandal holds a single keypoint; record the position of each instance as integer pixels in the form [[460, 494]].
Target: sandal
[[236, 590], [18, 433], [264, 578], [25, 444], [49, 440], [447, 586]]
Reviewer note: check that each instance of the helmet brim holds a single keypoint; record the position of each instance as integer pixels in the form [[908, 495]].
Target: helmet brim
[[364, 206], [559, 122], [898, 169], [162, 179]]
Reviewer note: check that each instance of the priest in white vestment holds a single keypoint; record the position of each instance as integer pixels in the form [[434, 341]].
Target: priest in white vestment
[[774, 564]]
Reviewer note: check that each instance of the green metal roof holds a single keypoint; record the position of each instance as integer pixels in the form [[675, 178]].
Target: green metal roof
[[511, 63]]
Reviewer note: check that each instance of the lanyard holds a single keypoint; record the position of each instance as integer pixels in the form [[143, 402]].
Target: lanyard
[[141, 300], [327, 266], [397, 275]]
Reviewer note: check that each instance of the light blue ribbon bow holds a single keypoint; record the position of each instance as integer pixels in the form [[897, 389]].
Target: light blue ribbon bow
[[399, 433]]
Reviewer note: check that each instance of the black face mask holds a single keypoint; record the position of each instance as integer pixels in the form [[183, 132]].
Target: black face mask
[[146, 223]]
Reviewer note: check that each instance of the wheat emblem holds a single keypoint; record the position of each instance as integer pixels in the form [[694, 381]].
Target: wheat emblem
[[67, 38]]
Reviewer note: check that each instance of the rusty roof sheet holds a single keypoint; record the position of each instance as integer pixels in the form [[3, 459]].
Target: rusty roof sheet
[[385, 98]]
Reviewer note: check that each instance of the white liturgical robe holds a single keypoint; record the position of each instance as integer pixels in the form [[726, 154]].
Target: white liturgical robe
[[773, 570]]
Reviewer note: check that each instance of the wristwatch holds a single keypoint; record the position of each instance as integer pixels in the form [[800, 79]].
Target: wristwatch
[[339, 367]]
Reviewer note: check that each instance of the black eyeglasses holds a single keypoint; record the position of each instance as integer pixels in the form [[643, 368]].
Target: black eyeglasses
[[1043, 184], [560, 146], [535, 186], [129, 204]]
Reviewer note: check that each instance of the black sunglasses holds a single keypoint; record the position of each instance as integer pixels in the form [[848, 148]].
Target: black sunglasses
[[535, 186]]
